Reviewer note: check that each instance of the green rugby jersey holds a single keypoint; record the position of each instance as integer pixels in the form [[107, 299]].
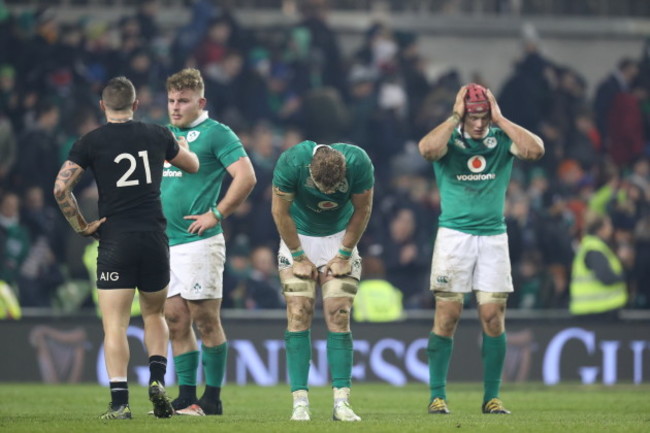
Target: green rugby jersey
[[315, 213], [182, 194], [472, 178]]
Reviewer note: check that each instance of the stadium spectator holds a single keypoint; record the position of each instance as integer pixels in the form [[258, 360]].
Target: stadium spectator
[[619, 81], [316, 56], [7, 148], [197, 244], [640, 280], [529, 78], [127, 161], [626, 141], [598, 288], [472, 153], [14, 239], [146, 17], [263, 287], [37, 160], [406, 260], [40, 274], [377, 299], [322, 201]]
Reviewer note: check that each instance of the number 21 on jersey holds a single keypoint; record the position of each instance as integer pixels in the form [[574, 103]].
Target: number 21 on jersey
[[133, 163]]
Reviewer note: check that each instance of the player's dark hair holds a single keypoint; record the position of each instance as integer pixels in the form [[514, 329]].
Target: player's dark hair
[[328, 167], [119, 94], [187, 79]]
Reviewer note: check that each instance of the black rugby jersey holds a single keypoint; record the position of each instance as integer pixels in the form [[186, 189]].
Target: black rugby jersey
[[127, 161]]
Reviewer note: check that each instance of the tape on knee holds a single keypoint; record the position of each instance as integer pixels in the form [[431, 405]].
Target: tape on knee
[[295, 286], [491, 298], [450, 297], [340, 288]]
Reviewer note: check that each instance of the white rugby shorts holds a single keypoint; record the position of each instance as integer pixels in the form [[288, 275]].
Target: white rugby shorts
[[197, 269], [320, 250], [462, 262]]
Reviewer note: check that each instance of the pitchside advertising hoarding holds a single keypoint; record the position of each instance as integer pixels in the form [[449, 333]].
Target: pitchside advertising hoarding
[[555, 351]]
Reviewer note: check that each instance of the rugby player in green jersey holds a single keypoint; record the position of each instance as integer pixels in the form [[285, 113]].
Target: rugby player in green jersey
[[322, 200], [197, 246], [472, 153]]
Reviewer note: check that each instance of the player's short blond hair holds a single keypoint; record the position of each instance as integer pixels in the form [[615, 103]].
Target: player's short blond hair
[[187, 79], [328, 167]]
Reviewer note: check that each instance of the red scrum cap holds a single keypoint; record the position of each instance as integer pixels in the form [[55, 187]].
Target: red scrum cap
[[476, 100]]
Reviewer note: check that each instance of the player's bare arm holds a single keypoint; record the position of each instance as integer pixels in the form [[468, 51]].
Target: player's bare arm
[[243, 182], [185, 159], [525, 144], [280, 205], [433, 146], [340, 264], [68, 177]]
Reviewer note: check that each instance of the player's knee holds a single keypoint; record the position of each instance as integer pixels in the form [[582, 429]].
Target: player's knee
[[493, 324], [299, 315], [446, 323], [176, 321], [295, 286], [339, 319], [207, 327], [345, 287], [207, 321]]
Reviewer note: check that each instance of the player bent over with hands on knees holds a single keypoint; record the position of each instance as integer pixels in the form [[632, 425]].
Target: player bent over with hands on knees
[[472, 154], [197, 245], [322, 200], [127, 160]]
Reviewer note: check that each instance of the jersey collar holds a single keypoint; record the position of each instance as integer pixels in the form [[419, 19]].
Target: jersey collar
[[202, 117], [467, 136]]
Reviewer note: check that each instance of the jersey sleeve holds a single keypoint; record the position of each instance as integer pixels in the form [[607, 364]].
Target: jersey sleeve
[[455, 135], [285, 174], [504, 141], [172, 147], [227, 147], [79, 153], [363, 172]]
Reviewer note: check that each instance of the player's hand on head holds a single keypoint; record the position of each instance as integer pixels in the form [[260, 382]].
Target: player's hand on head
[[459, 104], [495, 111], [92, 227], [304, 268], [339, 266], [201, 222]]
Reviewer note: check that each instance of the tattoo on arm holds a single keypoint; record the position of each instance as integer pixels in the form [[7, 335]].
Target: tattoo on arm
[[68, 177]]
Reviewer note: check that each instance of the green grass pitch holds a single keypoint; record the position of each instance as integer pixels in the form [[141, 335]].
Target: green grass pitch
[[535, 408]]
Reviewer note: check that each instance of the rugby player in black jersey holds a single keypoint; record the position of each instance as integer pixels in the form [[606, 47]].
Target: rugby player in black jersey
[[127, 160]]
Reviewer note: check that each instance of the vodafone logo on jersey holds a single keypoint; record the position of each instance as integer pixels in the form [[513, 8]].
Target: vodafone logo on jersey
[[476, 164], [166, 164], [327, 205]]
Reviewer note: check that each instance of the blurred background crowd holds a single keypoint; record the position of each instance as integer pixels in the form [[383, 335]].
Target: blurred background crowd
[[276, 86]]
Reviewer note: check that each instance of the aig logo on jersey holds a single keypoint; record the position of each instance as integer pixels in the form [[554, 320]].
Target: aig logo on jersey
[[192, 135], [476, 164], [109, 276]]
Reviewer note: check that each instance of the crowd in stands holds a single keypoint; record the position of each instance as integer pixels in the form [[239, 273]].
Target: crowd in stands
[[278, 86]]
